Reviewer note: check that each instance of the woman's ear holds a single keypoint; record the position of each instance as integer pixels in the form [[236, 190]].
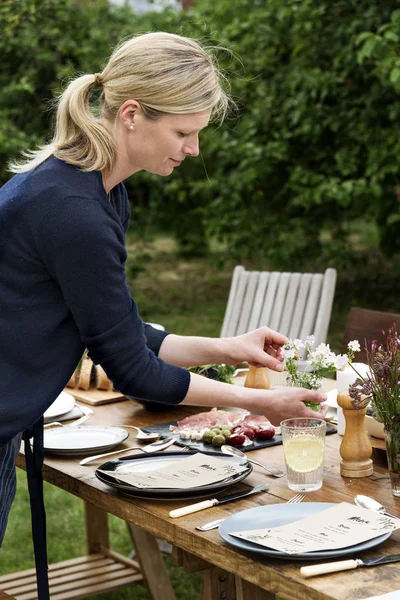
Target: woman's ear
[[128, 113]]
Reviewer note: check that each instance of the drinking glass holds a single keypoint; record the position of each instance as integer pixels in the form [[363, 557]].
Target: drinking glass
[[303, 447]]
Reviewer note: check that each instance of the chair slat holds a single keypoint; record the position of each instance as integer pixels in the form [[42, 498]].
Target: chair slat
[[248, 302], [290, 303], [312, 306], [231, 300], [325, 306], [298, 314], [259, 299], [277, 309], [270, 293]]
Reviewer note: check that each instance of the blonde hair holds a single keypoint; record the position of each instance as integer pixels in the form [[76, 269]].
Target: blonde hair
[[165, 73]]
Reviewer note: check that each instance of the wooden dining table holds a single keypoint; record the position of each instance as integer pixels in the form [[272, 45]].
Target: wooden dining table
[[229, 573]]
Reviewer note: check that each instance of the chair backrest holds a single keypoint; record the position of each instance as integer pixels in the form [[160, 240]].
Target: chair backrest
[[295, 304], [364, 324]]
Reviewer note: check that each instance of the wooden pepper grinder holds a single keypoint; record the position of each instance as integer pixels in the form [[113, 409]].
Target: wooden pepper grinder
[[355, 449], [257, 378]]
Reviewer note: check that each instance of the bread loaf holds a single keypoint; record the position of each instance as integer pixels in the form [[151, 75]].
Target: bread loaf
[[73, 382], [85, 375], [102, 381]]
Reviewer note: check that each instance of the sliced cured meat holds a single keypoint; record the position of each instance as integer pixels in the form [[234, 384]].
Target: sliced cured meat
[[206, 420], [256, 421]]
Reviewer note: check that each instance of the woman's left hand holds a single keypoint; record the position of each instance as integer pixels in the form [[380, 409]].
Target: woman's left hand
[[260, 347]]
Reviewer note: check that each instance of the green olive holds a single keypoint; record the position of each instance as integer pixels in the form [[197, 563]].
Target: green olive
[[218, 440], [207, 436], [216, 430]]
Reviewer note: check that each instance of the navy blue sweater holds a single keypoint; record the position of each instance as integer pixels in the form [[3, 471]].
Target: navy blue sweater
[[63, 288]]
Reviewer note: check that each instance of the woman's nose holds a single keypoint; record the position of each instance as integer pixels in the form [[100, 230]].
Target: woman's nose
[[192, 148]]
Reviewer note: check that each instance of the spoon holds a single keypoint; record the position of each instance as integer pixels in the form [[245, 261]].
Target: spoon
[[160, 445], [225, 449], [142, 435], [371, 504]]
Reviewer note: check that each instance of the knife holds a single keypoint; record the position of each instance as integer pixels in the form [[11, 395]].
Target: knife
[[346, 565], [187, 510]]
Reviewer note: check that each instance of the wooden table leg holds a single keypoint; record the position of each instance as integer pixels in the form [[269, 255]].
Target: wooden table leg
[[96, 528], [246, 590], [218, 585], [151, 564]]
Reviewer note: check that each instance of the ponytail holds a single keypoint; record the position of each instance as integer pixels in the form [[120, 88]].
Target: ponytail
[[80, 138]]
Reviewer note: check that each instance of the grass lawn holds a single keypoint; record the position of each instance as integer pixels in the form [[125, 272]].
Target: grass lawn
[[187, 298]]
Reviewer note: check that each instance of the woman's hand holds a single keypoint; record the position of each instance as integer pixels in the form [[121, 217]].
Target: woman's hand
[[260, 347], [283, 403]]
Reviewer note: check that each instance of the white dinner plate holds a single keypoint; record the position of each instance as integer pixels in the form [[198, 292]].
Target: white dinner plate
[[275, 515], [61, 406], [88, 439]]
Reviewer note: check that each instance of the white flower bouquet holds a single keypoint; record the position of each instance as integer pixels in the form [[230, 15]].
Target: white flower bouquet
[[318, 363]]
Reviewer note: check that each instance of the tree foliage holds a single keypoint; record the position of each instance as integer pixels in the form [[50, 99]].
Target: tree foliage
[[315, 141]]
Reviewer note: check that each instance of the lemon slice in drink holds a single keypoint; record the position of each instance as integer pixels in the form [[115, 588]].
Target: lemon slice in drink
[[304, 454]]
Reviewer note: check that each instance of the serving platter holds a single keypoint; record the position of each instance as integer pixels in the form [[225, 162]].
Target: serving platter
[[163, 429]]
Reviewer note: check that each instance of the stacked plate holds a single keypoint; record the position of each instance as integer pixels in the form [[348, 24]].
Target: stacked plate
[[276, 515], [108, 473], [86, 440]]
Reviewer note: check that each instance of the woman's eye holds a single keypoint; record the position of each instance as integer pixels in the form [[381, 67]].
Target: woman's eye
[[181, 134]]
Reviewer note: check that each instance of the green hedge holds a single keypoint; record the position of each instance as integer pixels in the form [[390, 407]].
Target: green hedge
[[315, 144]]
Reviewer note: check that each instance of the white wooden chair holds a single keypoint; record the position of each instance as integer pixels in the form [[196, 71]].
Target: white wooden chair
[[295, 304]]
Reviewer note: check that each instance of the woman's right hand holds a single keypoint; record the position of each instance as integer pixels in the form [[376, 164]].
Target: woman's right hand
[[278, 404]]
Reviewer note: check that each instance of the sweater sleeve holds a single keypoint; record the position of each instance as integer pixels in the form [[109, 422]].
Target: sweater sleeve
[[154, 337], [81, 243]]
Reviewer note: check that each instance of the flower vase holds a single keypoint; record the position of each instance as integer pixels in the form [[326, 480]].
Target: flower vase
[[310, 384], [393, 458]]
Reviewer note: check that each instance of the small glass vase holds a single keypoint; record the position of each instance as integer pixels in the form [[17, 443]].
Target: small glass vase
[[393, 458]]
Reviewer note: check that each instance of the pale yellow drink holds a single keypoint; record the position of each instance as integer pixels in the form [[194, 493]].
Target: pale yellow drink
[[303, 447]]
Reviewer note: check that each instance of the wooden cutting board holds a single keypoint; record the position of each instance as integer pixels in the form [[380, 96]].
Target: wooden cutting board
[[95, 397]]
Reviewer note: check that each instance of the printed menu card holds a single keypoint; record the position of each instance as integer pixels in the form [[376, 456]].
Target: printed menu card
[[337, 527], [194, 471]]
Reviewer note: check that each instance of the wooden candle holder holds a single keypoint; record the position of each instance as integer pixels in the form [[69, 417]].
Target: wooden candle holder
[[356, 449], [257, 378]]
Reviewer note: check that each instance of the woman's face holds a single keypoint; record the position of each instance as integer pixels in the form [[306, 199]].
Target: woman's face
[[158, 146]]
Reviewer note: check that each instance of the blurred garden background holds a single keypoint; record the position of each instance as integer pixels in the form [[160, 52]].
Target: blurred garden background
[[302, 176]]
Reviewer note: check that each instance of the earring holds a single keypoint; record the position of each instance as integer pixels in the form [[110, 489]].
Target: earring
[[131, 126]]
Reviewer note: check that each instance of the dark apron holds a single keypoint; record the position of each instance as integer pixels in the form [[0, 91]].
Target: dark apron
[[34, 462]]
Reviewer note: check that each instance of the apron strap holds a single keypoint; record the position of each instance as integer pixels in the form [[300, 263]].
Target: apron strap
[[34, 462]]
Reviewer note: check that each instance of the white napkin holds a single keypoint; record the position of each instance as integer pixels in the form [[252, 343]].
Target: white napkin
[[75, 413], [390, 596]]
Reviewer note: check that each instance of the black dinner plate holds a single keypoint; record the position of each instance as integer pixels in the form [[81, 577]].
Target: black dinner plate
[[108, 473]]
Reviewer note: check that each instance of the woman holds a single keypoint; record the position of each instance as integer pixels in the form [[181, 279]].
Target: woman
[[63, 220]]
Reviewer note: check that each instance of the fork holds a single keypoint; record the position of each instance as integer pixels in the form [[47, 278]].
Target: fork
[[296, 499], [214, 524]]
